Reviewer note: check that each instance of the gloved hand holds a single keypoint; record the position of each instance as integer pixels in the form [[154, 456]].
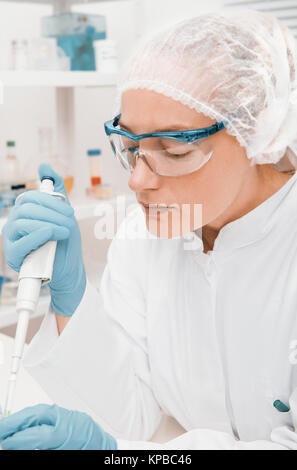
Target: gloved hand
[[48, 427], [37, 218]]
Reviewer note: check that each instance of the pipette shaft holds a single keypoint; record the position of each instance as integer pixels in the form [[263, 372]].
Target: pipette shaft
[[36, 269], [28, 294]]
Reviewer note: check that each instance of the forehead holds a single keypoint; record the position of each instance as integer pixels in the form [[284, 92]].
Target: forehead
[[145, 110]]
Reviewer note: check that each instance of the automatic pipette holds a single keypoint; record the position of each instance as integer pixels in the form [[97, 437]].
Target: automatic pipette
[[36, 270]]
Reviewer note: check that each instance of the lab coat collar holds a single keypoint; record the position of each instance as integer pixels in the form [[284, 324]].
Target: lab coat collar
[[258, 222]]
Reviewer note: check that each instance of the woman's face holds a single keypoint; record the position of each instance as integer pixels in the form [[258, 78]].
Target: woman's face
[[198, 198]]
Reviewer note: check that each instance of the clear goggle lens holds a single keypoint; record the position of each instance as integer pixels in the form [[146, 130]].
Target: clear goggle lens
[[165, 157]]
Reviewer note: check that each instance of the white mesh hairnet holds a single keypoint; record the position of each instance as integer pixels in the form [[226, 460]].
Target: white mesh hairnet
[[240, 67]]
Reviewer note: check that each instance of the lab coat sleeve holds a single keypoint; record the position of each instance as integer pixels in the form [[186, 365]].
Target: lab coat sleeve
[[99, 364], [282, 438], [201, 439]]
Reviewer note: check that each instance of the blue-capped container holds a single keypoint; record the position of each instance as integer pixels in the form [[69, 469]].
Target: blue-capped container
[[94, 157], [2, 280]]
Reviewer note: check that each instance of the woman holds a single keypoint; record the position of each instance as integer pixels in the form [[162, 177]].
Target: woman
[[204, 333]]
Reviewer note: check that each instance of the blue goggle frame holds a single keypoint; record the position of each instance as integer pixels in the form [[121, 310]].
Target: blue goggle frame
[[182, 136]]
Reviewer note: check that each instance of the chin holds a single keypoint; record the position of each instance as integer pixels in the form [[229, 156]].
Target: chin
[[168, 226]]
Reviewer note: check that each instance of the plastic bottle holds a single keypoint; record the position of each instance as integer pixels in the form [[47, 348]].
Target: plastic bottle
[[95, 167], [47, 154], [11, 164], [19, 54], [12, 182], [106, 56]]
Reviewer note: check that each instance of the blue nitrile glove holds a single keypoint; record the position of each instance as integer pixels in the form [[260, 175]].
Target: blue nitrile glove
[[49, 427], [36, 218]]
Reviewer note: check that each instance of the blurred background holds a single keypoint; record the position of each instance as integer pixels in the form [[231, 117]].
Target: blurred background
[[59, 67]]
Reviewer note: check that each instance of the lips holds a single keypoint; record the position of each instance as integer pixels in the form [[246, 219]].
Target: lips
[[154, 206]]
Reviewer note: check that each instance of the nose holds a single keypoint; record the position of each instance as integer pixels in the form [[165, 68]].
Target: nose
[[142, 178]]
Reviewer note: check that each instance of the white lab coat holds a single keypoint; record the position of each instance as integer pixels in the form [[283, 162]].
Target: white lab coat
[[205, 338]]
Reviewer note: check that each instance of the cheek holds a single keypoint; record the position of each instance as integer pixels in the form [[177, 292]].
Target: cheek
[[214, 186], [222, 180]]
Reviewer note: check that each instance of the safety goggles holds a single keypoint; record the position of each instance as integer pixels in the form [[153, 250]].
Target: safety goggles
[[173, 153]]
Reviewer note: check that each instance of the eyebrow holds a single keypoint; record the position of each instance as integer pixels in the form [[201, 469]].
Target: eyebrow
[[174, 127]]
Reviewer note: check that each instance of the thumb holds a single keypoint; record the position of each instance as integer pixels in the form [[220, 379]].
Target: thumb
[[46, 170]]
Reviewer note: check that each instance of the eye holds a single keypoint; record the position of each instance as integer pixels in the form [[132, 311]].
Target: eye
[[178, 152], [182, 150], [177, 156]]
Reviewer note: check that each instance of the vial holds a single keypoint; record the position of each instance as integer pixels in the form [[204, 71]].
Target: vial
[[94, 157]]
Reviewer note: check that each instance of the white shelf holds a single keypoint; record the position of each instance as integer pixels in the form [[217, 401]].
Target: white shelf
[[86, 208], [54, 2], [11, 78], [8, 315]]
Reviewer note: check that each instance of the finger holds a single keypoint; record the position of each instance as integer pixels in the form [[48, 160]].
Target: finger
[[38, 437], [36, 212], [26, 418], [34, 240], [46, 170], [22, 227], [46, 200]]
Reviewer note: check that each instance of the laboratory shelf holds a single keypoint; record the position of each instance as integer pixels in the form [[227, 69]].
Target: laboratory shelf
[[54, 2], [8, 315], [86, 208], [32, 78]]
